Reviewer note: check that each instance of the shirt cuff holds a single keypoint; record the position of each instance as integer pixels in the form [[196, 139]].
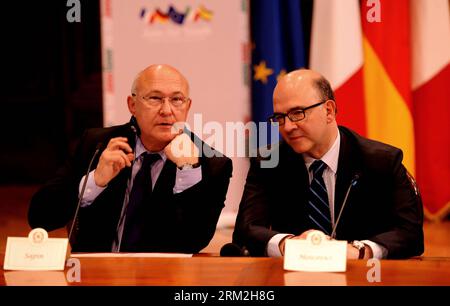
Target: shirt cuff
[[273, 248], [187, 178], [91, 192], [379, 252]]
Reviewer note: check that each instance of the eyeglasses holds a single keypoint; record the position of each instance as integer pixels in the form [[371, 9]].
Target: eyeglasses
[[155, 100], [294, 115]]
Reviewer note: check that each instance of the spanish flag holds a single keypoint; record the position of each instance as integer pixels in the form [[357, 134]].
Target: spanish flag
[[387, 76]]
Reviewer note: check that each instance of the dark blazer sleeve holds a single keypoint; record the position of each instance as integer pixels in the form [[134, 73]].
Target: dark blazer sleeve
[[253, 223], [201, 205], [53, 205], [405, 237]]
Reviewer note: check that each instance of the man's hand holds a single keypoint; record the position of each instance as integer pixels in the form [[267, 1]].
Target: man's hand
[[353, 253], [117, 155], [282, 244], [302, 236], [181, 150], [305, 234]]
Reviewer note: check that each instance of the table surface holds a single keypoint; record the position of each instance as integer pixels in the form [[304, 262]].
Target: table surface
[[229, 271]]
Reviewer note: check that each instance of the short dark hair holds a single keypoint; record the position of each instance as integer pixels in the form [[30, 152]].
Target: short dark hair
[[324, 89]]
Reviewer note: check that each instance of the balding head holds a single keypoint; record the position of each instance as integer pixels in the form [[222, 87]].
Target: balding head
[[308, 95], [160, 71], [300, 75], [305, 79]]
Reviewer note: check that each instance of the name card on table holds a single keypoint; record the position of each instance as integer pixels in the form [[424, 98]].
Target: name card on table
[[315, 254], [37, 252]]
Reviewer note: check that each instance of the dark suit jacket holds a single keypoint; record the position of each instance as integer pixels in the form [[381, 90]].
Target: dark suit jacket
[[382, 207], [183, 222]]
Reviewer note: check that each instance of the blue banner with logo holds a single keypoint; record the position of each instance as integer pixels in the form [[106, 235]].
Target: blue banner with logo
[[278, 48]]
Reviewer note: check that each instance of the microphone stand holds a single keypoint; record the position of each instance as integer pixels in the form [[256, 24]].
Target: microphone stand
[[352, 183], [97, 150]]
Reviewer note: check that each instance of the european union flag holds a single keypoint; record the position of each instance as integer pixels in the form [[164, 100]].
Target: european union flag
[[278, 47]]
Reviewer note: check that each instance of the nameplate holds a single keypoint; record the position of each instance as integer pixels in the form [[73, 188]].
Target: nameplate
[[315, 254], [36, 253]]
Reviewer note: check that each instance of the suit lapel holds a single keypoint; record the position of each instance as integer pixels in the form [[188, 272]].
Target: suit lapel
[[348, 166], [119, 184], [294, 166], [294, 183], [118, 187]]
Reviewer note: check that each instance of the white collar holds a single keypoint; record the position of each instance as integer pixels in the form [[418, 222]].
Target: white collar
[[330, 158], [140, 149]]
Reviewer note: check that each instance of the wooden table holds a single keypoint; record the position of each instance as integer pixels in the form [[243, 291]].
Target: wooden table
[[227, 271]]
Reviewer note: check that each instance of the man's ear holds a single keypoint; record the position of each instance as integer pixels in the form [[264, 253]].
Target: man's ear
[[188, 106], [131, 102], [330, 106]]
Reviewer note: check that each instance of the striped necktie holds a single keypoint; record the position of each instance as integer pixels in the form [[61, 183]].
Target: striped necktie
[[318, 205]]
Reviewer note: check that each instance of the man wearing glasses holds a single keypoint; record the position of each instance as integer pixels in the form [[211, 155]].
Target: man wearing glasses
[[143, 195], [330, 179]]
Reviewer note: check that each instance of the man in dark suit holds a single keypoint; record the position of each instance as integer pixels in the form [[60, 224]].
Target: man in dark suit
[[319, 163], [150, 190]]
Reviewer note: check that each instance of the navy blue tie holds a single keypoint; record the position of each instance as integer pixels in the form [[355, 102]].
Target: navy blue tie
[[139, 196], [318, 205]]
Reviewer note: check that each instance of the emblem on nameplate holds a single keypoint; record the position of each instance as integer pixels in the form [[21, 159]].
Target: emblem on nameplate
[[316, 253]]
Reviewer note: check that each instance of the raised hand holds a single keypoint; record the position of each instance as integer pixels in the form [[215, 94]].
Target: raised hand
[[117, 155]]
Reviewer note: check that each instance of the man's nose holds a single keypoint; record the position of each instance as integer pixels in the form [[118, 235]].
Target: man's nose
[[289, 125], [166, 108]]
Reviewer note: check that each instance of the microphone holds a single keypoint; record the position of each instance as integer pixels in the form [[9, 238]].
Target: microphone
[[134, 126], [353, 182], [233, 250], [136, 132], [97, 150]]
